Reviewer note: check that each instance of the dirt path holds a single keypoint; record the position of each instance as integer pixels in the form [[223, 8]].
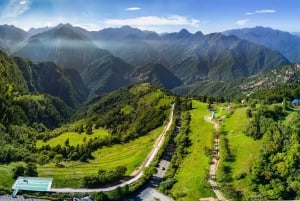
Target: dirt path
[[215, 161]]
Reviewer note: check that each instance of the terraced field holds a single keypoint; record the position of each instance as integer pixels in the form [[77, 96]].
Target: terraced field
[[130, 154]]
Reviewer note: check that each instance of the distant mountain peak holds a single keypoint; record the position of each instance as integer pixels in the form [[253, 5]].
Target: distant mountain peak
[[61, 31], [68, 25], [281, 41], [128, 27], [216, 35], [64, 27], [33, 31], [199, 33], [10, 37], [184, 33], [10, 27]]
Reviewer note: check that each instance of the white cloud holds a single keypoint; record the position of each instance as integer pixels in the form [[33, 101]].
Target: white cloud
[[154, 21], [133, 9], [263, 11], [242, 22], [15, 8]]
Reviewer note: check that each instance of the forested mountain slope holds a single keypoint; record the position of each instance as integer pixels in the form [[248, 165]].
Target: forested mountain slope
[[192, 57], [62, 45], [29, 96], [285, 43], [187, 57], [11, 38], [279, 77], [47, 77]]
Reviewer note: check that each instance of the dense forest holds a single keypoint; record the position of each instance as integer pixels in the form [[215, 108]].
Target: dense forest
[[275, 175], [273, 123]]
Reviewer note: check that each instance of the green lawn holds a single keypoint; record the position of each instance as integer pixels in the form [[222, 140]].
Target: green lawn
[[74, 138], [243, 148], [192, 175], [131, 155]]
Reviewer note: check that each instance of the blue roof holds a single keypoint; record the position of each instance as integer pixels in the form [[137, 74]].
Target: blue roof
[[295, 101]]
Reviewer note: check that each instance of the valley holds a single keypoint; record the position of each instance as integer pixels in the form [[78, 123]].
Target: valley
[[122, 112]]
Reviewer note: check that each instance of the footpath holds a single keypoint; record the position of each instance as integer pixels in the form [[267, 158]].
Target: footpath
[[214, 164]]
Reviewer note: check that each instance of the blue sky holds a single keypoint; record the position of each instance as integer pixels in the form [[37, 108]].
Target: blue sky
[[157, 15]]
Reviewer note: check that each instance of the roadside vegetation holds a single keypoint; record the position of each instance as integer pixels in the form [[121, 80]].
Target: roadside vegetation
[[190, 164]]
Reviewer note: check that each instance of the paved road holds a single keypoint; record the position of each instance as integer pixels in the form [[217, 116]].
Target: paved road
[[148, 191], [137, 174], [150, 194]]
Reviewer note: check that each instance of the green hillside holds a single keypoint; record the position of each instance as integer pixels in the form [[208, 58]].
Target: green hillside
[[128, 112], [130, 155], [10, 74], [238, 151], [48, 78], [258, 157], [114, 131], [276, 79]]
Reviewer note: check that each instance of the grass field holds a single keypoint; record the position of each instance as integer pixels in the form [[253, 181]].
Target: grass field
[[6, 173], [243, 148], [139, 88], [74, 138], [127, 109], [192, 175], [131, 155], [36, 97]]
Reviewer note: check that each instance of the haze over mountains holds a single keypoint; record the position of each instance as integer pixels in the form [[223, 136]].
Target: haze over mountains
[[115, 57], [284, 42]]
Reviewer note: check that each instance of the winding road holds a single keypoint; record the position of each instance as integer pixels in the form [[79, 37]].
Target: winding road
[[137, 174]]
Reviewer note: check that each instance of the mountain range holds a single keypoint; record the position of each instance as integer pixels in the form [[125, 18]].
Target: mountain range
[[191, 57], [114, 57], [284, 42]]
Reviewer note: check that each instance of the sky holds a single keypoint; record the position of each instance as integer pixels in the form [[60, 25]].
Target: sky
[[161, 16]]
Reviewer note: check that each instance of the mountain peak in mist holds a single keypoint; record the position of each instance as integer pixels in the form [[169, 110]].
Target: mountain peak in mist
[[281, 41]]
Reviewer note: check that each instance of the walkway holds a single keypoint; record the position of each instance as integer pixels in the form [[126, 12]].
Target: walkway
[[215, 161]]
